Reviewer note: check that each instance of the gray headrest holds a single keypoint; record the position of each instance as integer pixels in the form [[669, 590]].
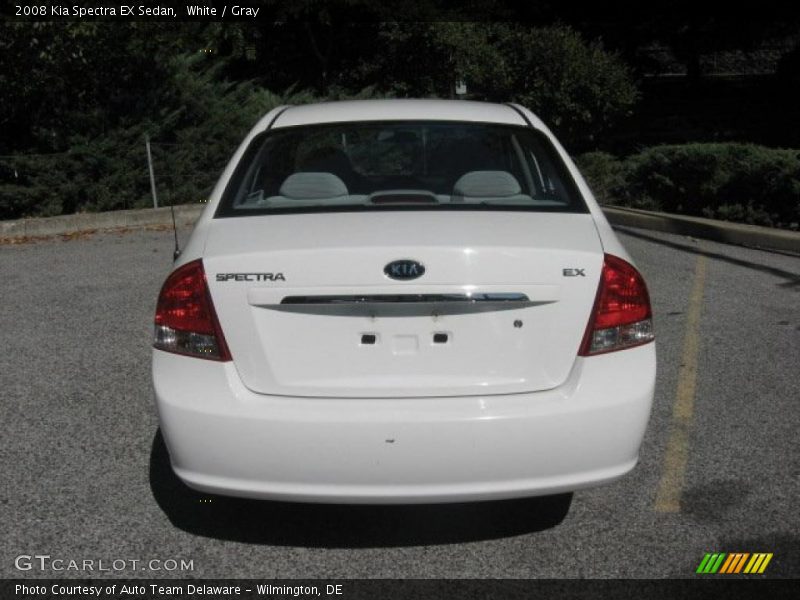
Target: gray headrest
[[311, 186], [486, 184]]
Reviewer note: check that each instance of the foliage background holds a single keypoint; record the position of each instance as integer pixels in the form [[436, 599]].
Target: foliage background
[[78, 98], [734, 182]]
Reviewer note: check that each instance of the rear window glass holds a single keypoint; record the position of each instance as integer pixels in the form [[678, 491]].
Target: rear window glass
[[396, 165]]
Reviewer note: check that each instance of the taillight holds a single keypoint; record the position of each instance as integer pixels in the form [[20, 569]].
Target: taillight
[[621, 317], [185, 319]]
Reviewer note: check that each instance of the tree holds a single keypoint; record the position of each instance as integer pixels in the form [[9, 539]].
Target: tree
[[78, 76], [576, 86]]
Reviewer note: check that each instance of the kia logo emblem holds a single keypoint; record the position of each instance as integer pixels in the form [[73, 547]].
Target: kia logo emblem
[[404, 269]]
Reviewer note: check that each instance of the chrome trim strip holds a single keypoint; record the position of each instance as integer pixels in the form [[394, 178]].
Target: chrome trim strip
[[471, 298]]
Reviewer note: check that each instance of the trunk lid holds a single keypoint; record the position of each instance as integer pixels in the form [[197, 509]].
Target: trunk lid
[[307, 310]]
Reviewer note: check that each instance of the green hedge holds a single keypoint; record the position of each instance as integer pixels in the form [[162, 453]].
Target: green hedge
[[735, 182], [197, 129]]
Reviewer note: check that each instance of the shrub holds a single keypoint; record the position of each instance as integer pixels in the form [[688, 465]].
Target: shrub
[[203, 122], [605, 174], [736, 182]]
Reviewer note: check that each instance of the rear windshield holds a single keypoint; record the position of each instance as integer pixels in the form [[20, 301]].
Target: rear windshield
[[400, 165]]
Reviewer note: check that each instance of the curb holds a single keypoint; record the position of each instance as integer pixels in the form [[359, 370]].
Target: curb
[[185, 214], [718, 231]]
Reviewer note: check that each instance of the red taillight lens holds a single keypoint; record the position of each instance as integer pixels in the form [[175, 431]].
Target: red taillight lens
[[185, 319], [621, 317]]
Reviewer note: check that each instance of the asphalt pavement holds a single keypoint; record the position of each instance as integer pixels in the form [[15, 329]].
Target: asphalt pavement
[[87, 476]]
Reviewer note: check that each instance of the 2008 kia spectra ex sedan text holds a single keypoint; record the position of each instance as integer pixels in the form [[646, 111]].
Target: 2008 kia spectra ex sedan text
[[402, 301]]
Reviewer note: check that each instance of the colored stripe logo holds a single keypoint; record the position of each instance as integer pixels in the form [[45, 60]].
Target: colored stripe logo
[[734, 562]]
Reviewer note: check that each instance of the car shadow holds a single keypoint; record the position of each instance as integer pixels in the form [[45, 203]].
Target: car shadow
[[344, 526]]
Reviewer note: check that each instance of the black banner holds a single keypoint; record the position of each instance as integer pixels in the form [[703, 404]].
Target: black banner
[[392, 589]]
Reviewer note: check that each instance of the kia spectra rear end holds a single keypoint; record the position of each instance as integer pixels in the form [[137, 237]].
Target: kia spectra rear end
[[402, 302]]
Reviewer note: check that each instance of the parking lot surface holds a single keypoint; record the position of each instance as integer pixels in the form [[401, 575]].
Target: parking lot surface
[[87, 476]]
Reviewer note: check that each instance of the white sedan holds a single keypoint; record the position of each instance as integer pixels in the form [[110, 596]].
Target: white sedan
[[402, 301]]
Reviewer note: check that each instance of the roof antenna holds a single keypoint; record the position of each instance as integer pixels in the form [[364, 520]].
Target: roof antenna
[[177, 252]]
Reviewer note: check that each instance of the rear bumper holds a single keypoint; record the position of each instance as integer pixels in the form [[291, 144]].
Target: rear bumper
[[225, 439]]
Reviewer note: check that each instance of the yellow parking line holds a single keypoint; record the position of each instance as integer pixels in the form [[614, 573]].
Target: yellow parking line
[[668, 496]]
